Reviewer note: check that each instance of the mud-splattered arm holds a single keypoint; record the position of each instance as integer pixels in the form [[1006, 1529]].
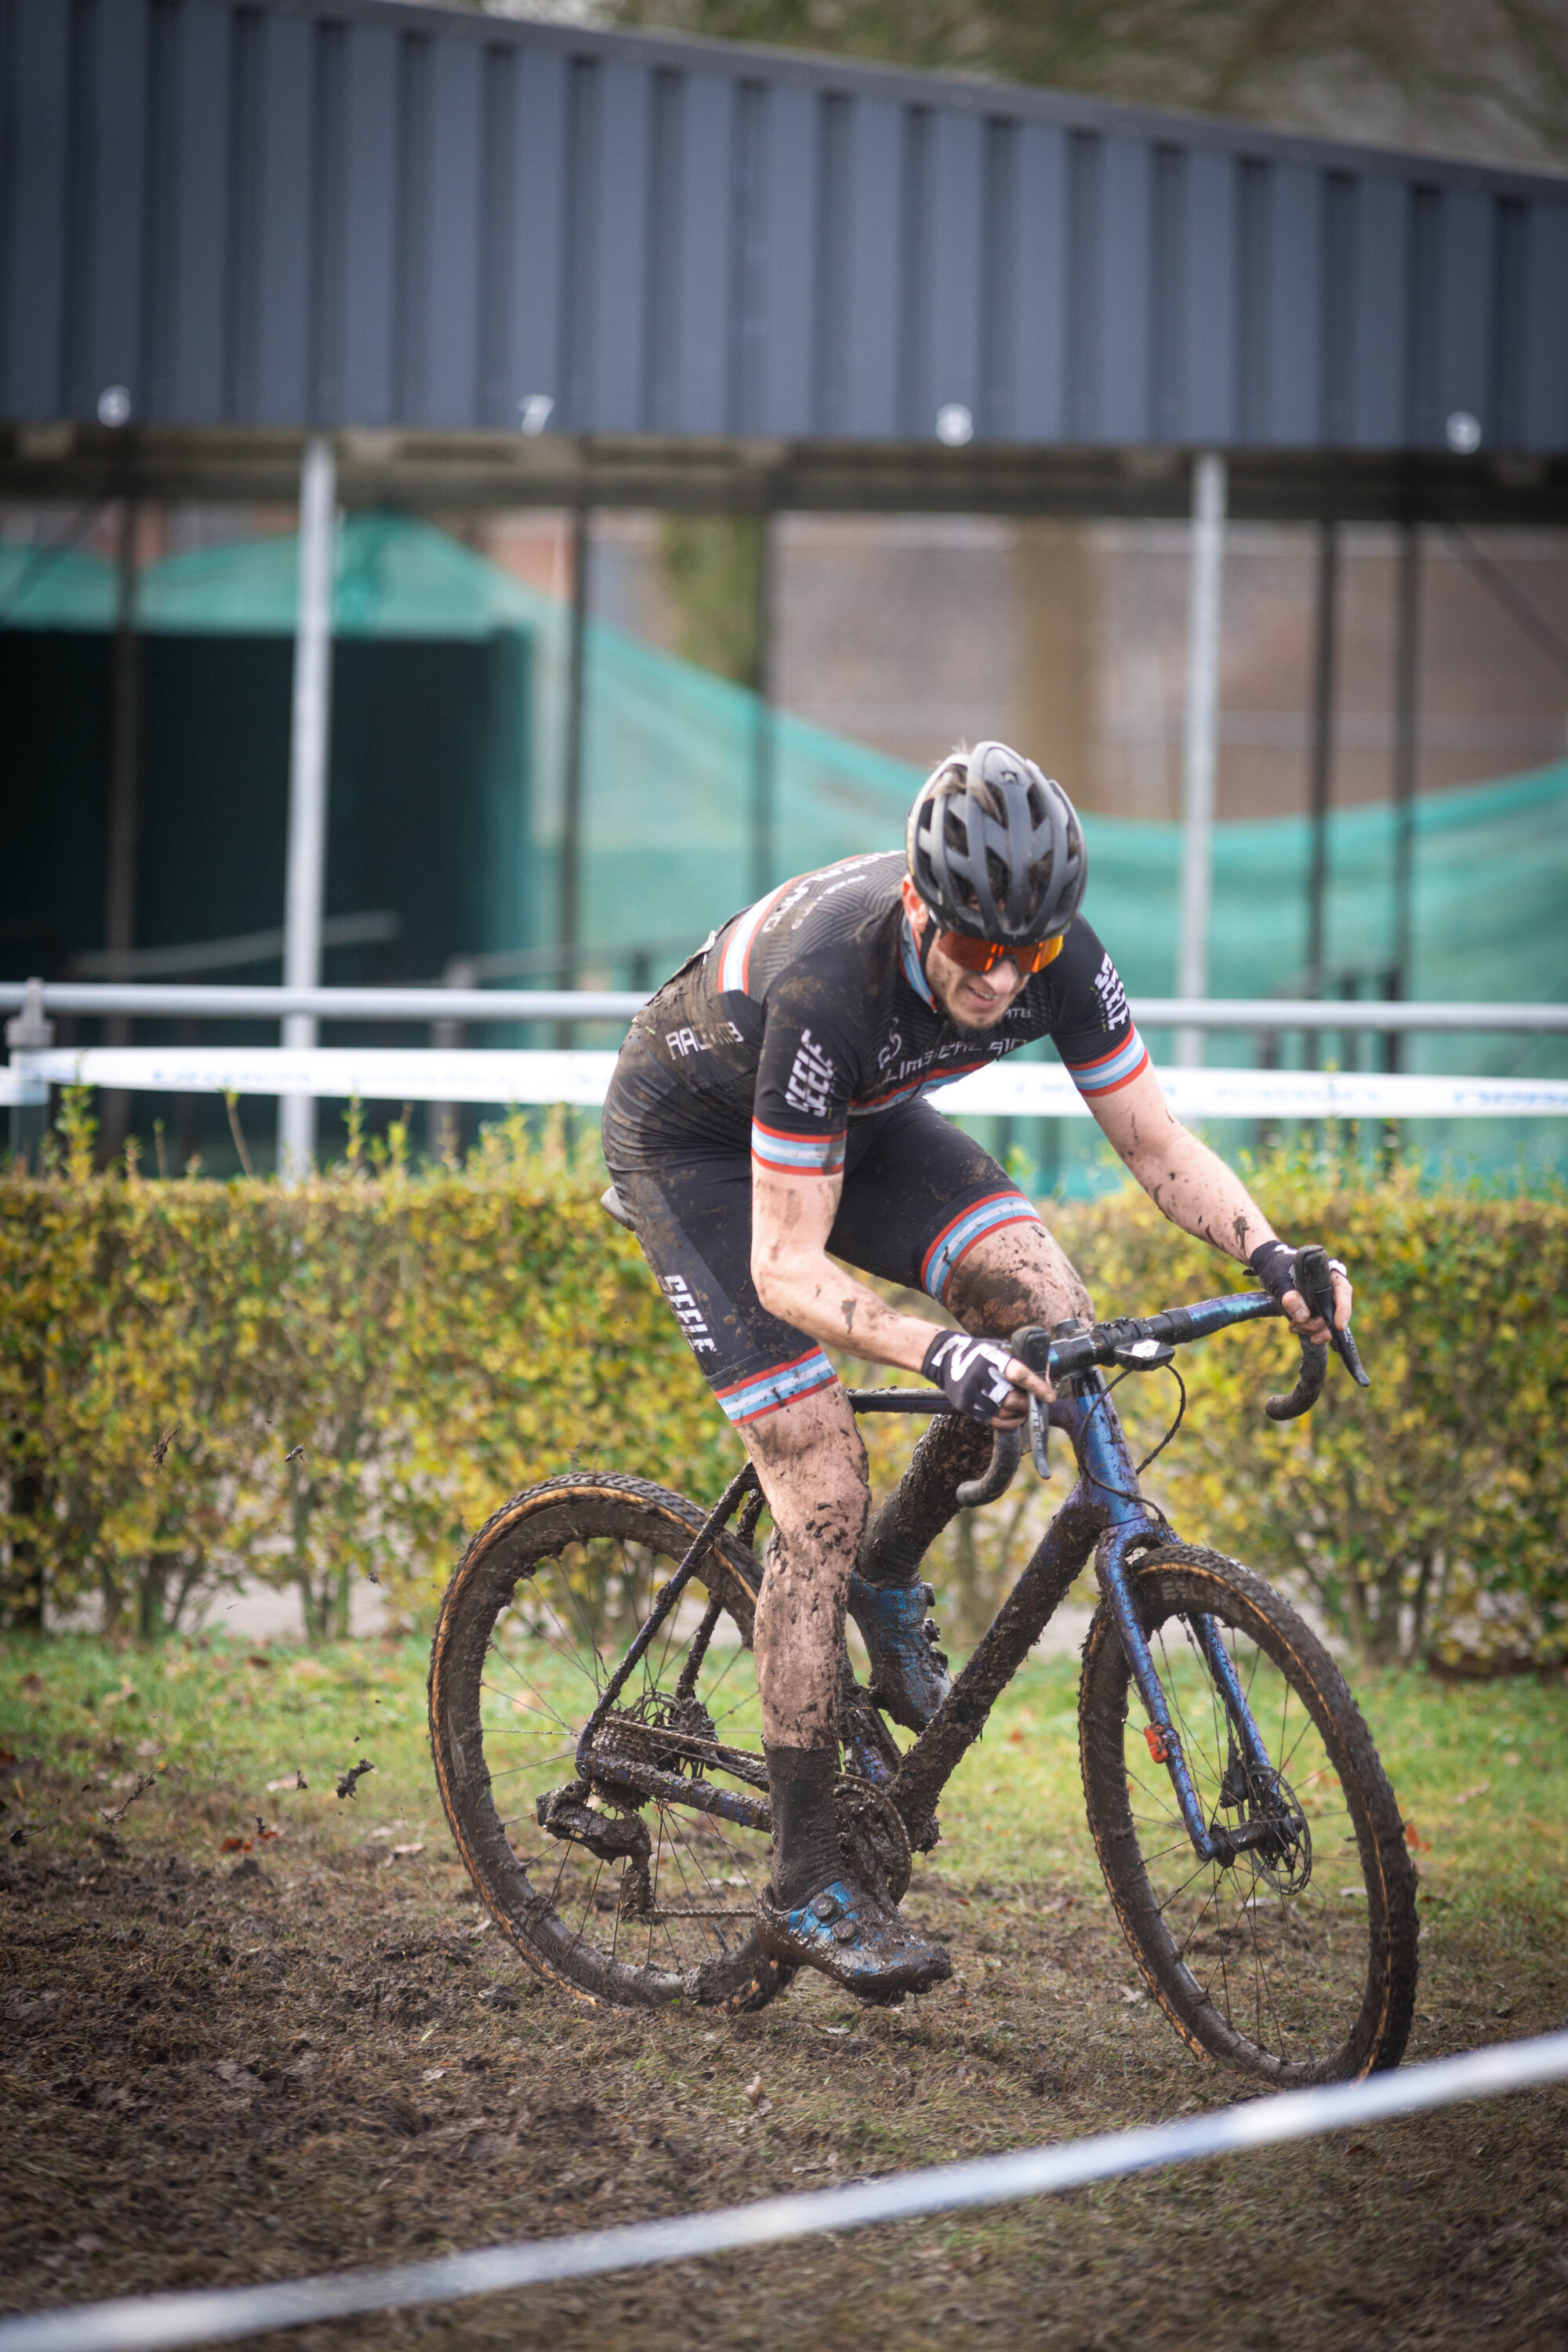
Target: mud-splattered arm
[[1192, 1185], [792, 1217]]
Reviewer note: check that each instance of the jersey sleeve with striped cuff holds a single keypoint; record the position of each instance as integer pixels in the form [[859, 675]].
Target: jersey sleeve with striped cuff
[[1098, 1040]]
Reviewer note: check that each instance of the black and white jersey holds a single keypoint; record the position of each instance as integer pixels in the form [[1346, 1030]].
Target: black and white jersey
[[810, 1009]]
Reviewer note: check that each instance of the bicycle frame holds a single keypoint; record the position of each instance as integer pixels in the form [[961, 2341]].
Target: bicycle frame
[[1104, 1509]]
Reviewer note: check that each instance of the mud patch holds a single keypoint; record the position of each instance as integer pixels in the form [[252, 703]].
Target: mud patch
[[217, 2073]]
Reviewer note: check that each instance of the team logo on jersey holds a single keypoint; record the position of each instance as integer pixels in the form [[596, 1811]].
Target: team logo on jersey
[[1112, 994], [810, 1079]]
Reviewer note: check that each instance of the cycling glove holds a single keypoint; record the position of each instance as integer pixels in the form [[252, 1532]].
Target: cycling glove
[[973, 1374]]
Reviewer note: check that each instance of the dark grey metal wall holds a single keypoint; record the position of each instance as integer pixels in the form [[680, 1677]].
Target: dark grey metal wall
[[350, 212]]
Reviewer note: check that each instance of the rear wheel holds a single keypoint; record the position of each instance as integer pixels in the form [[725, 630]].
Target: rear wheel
[[637, 1884], [1296, 1960]]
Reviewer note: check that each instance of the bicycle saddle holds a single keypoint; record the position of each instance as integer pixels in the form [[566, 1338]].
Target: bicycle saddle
[[614, 1206]]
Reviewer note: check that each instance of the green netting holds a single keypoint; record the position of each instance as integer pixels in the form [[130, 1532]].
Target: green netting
[[671, 771], [54, 587]]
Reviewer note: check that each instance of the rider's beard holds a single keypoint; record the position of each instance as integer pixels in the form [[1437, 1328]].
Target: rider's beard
[[949, 995]]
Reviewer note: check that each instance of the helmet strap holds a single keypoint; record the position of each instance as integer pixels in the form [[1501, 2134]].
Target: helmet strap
[[924, 944]]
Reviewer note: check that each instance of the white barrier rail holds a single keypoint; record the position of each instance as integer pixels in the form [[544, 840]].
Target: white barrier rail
[[1013, 1089], [155, 1000], [152, 2323]]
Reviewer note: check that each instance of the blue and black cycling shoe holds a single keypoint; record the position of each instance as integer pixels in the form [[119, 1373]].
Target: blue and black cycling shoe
[[908, 1673], [855, 1936]]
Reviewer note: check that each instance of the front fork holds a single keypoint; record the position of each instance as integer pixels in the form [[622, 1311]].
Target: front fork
[[1106, 1464]]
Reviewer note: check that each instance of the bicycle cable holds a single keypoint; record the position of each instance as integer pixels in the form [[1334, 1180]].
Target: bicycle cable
[[1105, 1393]]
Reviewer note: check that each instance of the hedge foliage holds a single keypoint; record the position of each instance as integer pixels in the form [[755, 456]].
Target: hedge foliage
[[203, 1383], [1428, 1514]]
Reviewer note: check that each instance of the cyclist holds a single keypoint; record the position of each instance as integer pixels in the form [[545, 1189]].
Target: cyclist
[[767, 1117]]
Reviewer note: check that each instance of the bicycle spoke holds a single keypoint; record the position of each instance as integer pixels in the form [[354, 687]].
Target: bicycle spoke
[[1275, 1953]]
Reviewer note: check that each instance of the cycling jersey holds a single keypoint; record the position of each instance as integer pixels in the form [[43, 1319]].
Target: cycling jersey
[[810, 1010], [801, 1037]]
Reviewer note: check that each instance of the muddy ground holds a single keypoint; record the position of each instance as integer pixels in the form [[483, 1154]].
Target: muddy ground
[[217, 2073]]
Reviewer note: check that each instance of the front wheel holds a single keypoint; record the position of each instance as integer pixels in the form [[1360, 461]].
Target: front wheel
[[1295, 1961]]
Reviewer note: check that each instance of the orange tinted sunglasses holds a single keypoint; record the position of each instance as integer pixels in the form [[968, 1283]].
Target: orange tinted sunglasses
[[984, 955]]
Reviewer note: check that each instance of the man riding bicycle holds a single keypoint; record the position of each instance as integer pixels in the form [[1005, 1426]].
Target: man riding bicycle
[[766, 1119]]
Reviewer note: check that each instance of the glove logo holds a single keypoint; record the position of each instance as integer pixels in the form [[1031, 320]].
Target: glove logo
[[973, 1372]]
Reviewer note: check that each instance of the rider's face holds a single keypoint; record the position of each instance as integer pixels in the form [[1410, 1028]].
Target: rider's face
[[971, 1000]]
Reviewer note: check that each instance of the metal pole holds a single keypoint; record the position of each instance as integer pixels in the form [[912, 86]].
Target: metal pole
[[29, 1032], [1323, 760], [124, 799], [1201, 741], [762, 726], [1405, 692], [569, 915], [306, 885]]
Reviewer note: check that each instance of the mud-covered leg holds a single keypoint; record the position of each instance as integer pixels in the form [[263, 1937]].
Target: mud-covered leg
[[812, 1466], [1015, 1274], [817, 1913]]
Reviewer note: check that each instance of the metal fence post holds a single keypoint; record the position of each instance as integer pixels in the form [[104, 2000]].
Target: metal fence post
[[570, 899], [306, 885], [29, 1032], [1200, 739], [1406, 692], [124, 801], [763, 747], [1323, 654]]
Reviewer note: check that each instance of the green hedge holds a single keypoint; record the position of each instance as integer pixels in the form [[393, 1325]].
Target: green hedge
[[201, 1382], [348, 1377], [1426, 1515]]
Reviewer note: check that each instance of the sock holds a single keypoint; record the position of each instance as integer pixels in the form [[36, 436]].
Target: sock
[[805, 1821]]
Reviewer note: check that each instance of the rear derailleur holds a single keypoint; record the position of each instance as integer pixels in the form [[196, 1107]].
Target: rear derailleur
[[566, 1813]]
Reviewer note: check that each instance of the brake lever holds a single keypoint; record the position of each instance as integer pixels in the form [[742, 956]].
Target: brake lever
[[1315, 1281], [1039, 1435], [1031, 1343]]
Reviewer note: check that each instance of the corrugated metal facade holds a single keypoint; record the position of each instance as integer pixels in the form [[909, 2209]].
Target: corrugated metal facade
[[357, 213]]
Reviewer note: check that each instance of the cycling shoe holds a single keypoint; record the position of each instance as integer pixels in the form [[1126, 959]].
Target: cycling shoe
[[855, 1937], [908, 1673]]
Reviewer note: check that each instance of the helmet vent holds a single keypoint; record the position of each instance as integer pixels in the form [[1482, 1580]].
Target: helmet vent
[[995, 847]]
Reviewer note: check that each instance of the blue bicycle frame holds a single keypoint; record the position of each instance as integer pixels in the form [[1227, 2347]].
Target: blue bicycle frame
[[1105, 1515]]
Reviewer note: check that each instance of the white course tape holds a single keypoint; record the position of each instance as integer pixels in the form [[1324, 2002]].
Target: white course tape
[[373, 1072], [1010, 1090], [148, 2323]]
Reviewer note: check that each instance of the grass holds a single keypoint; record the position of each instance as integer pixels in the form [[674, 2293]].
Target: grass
[[1480, 1769], [228, 2064]]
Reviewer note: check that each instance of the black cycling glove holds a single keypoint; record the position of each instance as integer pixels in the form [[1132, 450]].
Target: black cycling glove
[[1272, 1267], [973, 1373]]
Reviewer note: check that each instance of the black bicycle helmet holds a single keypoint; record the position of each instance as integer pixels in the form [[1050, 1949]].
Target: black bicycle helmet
[[996, 848]]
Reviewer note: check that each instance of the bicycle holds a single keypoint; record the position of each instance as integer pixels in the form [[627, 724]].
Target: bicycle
[[1227, 1824]]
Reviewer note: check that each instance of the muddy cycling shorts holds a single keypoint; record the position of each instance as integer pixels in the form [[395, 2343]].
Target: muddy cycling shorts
[[917, 1194]]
